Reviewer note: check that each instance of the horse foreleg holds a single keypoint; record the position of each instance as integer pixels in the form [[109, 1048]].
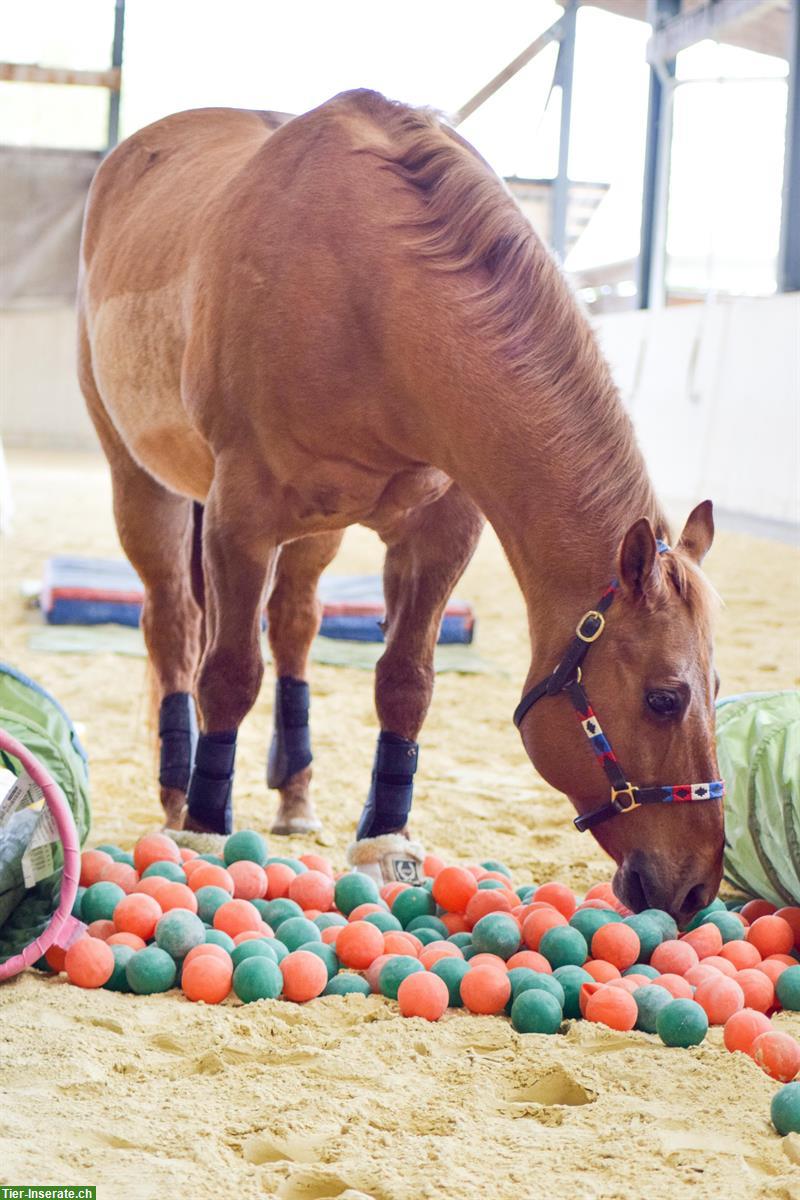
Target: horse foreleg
[[426, 555], [239, 554], [294, 614]]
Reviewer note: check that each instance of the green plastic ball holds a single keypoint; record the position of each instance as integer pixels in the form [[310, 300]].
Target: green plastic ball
[[109, 848], [296, 931], [412, 902], [787, 988], [492, 865], [489, 885], [426, 921], [257, 978], [426, 936], [254, 948], [215, 859], [179, 931], [118, 981], [275, 912], [649, 933], [461, 939], [218, 937], [535, 1011], [525, 891], [99, 902], [77, 903], [327, 919], [209, 899], [496, 933], [701, 917], [728, 924], [452, 971], [572, 980], [298, 867], [353, 889], [326, 953], [642, 969], [346, 984], [469, 951], [124, 856], [785, 1106], [383, 921], [669, 929], [166, 870], [650, 1000], [682, 1023], [246, 845], [395, 971], [588, 920], [523, 979], [278, 949], [150, 970], [564, 946]]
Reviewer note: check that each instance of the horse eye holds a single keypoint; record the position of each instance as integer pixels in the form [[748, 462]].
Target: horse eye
[[663, 702]]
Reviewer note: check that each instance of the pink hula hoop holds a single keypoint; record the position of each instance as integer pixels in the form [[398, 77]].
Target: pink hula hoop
[[63, 928]]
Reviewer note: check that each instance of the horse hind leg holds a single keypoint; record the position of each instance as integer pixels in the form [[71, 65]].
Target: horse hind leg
[[294, 614], [426, 555]]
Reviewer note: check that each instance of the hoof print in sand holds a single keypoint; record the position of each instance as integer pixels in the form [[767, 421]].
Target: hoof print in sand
[[555, 1089]]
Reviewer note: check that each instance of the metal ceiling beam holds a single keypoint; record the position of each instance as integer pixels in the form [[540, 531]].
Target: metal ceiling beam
[[116, 65], [711, 20], [553, 34], [32, 73], [655, 191], [565, 69]]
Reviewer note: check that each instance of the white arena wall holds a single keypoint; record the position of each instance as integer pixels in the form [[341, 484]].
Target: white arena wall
[[713, 389]]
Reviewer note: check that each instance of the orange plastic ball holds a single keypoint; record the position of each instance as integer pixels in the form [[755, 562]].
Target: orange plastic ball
[[432, 865], [740, 954], [617, 944], [358, 944], [207, 978], [535, 926], [435, 951], [757, 908], [364, 910], [153, 885], [758, 988], [772, 968], [628, 983], [674, 957], [742, 1029], [485, 990], [236, 916], [190, 865], [771, 935], [531, 959], [723, 965], [706, 940], [122, 874], [373, 972], [304, 975], [209, 948], [699, 973], [614, 1007], [395, 942], [390, 891], [330, 934], [92, 863], [488, 960], [210, 875], [89, 962], [101, 929], [126, 939], [138, 914], [252, 935], [154, 847], [55, 958], [279, 878], [601, 970], [315, 862], [187, 854], [792, 917], [778, 1054], [587, 990], [423, 995], [602, 891], [453, 888], [177, 895], [249, 880], [312, 889], [559, 895], [720, 998], [454, 923], [482, 903], [678, 987]]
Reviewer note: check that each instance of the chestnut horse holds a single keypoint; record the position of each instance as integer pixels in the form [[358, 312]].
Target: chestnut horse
[[301, 324]]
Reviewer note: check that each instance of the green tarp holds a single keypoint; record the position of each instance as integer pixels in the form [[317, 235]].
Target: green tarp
[[758, 747]]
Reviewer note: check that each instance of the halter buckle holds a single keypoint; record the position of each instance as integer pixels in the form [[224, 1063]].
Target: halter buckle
[[591, 615], [628, 791]]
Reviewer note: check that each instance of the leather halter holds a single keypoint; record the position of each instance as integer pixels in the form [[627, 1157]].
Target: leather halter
[[566, 677]]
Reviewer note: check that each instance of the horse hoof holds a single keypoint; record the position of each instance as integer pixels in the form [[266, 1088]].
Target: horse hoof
[[294, 826]]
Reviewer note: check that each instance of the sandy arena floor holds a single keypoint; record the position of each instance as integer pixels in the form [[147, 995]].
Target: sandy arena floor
[[151, 1097]]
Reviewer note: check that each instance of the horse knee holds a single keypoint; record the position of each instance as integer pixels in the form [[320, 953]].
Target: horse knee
[[228, 687], [403, 691]]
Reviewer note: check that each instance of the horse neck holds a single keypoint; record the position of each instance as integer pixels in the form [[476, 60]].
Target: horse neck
[[560, 479]]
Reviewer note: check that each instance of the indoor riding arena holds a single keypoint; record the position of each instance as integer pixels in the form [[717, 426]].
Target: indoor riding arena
[[507, 298]]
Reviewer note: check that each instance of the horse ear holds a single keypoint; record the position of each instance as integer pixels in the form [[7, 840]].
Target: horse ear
[[698, 532], [637, 558]]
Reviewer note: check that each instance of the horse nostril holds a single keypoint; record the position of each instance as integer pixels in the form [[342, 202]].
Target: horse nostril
[[696, 898]]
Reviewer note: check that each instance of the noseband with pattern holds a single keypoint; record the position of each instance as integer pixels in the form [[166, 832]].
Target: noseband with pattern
[[566, 677]]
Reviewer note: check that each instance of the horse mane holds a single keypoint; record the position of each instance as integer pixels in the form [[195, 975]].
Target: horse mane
[[469, 223]]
